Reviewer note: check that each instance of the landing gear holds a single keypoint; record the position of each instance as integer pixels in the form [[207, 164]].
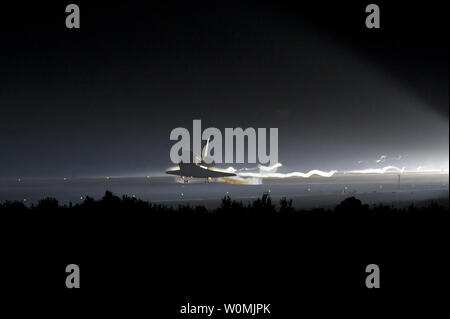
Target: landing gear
[[186, 179]]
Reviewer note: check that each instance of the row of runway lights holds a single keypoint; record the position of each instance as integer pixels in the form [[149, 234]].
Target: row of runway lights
[[308, 189], [181, 194], [81, 198], [67, 179]]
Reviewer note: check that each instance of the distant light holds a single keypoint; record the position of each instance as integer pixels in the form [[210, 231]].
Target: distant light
[[107, 177], [66, 178], [19, 179], [24, 200], [134, 196], [148, 177], [269, 190], [182, 194], [81, 197]]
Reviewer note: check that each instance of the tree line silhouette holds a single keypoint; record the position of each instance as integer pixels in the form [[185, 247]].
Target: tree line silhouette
[[262, 206]]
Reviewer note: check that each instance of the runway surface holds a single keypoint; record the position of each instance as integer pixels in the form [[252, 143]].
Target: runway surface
[[305, 192]]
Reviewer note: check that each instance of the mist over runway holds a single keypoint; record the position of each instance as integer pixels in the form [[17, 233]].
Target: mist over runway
[[312, 192]]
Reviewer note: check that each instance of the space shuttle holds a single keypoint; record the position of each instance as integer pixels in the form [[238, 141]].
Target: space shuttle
[[198, 168]]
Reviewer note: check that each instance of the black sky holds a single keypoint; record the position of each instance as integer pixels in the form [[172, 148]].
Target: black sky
[[103, 99]]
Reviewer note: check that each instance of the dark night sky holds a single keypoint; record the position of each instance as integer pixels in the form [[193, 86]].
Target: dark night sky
[[103, 99]]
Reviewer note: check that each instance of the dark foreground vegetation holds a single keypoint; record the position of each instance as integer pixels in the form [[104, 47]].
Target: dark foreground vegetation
[[263, 206], [242, 251]]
